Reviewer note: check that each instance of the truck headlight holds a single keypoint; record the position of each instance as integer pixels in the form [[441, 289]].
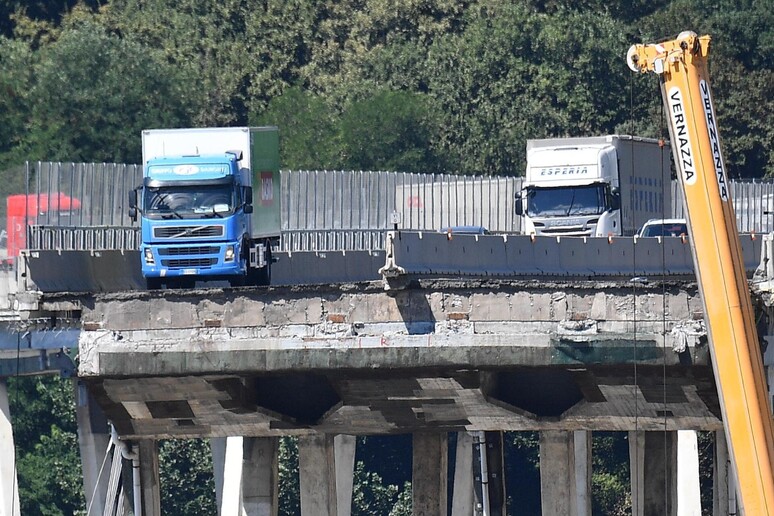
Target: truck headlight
[[149, 260], [229, 256]]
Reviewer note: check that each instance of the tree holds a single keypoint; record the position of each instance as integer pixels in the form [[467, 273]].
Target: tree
[[187, 481], [308, 129], [48, 464], [390, 131], [513, 75], [85, 108]]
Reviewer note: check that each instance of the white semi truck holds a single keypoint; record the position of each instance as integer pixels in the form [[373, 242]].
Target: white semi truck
[[594, 186]]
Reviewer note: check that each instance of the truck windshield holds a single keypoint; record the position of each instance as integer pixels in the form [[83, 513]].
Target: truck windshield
[[189, 202], [567, 201]]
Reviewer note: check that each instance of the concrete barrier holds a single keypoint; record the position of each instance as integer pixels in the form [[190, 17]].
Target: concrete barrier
[[115, 271], [418, 254], [523, 256]]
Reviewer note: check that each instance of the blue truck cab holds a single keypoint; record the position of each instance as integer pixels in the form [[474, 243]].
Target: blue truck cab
[[200, 216]]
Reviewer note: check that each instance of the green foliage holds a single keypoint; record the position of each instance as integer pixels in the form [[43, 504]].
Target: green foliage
[[289, 489], [610, 486], [50, 478], [390, 131], [92, 106], [187, 482], [370, 495], [48, 464], [16, 78], [522, 472], [308, 130]]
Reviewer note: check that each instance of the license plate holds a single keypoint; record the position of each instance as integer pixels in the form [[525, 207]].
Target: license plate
[[189, 272]]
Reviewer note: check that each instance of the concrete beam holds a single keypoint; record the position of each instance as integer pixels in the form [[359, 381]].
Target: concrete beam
[[429, 474]]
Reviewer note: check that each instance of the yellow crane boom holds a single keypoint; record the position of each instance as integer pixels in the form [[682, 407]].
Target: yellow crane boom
[[681, 65]]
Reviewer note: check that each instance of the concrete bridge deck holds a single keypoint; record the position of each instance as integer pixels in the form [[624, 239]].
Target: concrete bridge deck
[[441, 355]]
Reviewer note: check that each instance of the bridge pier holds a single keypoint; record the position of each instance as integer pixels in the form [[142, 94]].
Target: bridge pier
[[429, 473], [9, 489], [150, 492], [653, 467], [462, 494], [565, 460], [93, 442], [246, 472], [325, 474], [723, 480]]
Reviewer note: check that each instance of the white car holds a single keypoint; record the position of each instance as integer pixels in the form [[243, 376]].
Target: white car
[[664, 227]]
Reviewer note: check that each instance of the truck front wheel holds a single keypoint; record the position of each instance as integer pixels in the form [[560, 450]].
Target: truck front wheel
[[153, 283]]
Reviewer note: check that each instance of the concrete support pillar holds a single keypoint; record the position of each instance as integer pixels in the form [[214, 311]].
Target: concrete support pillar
[[724, 501], [260, 489], [149, 477], [688, 488], [344, 451], [653, 465], [565, 461], [218, 450], [9, 489], [227, 460], [317, 475], [462, 493], [429, 474], [93, 441]]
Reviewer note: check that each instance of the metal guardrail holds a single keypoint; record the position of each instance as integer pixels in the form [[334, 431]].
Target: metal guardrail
[[332, 240], [88, 238], [103, 238]]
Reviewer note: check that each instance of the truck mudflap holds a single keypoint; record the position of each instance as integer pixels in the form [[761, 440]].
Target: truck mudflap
[[259, 255]]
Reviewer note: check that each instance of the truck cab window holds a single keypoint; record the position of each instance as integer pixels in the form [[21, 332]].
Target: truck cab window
[[567, 201], [200, 201]]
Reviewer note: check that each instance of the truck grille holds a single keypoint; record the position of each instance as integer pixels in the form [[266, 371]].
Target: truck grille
[[566, 231], [181, 251], [184, 263], [188, 231]]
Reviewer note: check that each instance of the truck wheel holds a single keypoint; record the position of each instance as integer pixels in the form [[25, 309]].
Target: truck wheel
[[153, 283]]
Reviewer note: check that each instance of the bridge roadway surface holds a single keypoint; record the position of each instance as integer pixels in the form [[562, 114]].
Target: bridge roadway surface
[[495, 353]]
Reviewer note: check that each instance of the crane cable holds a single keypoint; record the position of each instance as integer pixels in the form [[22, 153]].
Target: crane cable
[[665, 183]]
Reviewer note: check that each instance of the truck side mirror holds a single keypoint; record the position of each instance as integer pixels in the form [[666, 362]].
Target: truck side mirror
[[615, 199], [519, 206], [248, 199], [133, 205]]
